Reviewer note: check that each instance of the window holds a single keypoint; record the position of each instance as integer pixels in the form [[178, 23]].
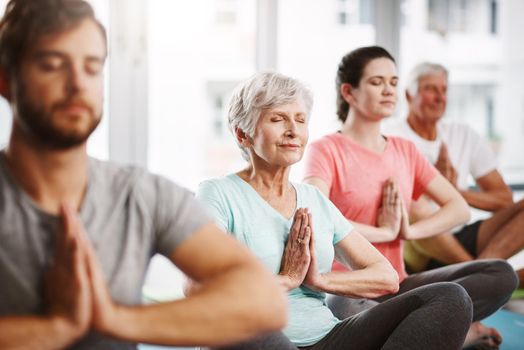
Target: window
[[352, 12], [194, 62], [467, 16]]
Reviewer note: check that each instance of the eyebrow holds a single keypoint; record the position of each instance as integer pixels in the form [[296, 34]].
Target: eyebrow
[[382, 77], [53, 53]]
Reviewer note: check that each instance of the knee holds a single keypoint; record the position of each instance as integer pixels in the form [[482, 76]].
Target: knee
[[454, 298], [506, 278]]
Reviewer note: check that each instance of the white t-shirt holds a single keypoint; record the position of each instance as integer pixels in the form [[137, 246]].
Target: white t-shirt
[[469, 153]]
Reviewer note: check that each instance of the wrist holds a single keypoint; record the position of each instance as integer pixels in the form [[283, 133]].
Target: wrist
[[408, 232], [64, 330], [108, 323], [287, 281], [387, 232]]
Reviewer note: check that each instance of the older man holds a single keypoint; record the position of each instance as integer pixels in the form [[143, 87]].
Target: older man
[[458, 152], [77, 234]]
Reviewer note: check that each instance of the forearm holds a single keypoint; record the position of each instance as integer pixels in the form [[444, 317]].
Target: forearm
[[488, 200], [39, 333], [443, 247], [233, 307], [374, 234], [447, 217], [371, 282]]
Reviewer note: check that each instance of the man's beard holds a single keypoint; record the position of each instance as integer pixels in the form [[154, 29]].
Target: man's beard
[[39, 123]]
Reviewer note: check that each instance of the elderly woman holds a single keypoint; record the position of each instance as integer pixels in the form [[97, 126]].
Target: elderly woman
[[297, 232], [372, 179]]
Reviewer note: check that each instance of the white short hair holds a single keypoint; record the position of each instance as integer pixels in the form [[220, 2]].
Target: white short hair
[[263, 91], [421, 70]]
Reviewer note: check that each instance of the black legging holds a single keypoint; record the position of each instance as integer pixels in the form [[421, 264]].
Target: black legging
[[489, 283], [436, 316]]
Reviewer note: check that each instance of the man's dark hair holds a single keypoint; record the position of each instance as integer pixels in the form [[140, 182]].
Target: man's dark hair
[[25, 21], [351, 69]]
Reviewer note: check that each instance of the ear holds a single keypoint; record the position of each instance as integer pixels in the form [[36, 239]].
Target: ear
[[4, 84], [242, 138], [409, 98], [346, 91]]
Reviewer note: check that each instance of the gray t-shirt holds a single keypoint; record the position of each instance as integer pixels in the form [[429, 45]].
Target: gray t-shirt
[[129, 216]]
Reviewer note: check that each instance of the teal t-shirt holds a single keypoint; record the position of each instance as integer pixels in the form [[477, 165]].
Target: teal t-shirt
[[240, 210]]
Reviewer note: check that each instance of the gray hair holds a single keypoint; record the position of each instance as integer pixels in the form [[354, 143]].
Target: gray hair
[[260, 92], [421, 70]]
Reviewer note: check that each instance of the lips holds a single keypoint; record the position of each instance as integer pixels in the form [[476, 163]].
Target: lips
[[289, 145]]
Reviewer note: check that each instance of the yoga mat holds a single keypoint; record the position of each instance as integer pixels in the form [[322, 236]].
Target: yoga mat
[[511, 326], [518, 294]]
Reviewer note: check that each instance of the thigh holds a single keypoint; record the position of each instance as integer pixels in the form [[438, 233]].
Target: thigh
[[488, 282], [491, 226], [468, 273], [399, 318], [344, 307]]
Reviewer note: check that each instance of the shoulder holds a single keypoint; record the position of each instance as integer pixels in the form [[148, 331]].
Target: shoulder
[[133, 182], [311, 195], [223, 184], [401, 143], [307, 189]]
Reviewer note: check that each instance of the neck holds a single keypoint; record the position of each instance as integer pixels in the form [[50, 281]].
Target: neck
[[267, 179], [50, 177], [425, 129], [364, 131]]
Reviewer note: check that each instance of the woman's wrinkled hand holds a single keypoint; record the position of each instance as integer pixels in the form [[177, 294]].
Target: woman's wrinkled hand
[[313, 279], [296, 259]]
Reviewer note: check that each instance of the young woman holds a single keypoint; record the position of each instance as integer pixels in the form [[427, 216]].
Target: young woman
[[372, 180]]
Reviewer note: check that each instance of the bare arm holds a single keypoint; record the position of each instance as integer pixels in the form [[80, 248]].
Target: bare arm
[[295, 260], [375, 234], [236, 299], [443, 247], [494, 194], [372, 274], [453, 211]]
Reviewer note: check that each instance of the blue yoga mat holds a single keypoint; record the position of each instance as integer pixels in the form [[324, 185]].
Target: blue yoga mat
[[511, 326]]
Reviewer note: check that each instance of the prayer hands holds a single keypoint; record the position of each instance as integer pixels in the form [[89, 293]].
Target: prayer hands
[[76, 290], [296, 259], [444, 165], [313, 278], [67, 285], [390, 213]]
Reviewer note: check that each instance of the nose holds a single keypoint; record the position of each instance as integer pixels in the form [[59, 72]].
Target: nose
[[76, 80], [291, 128], [441, 95], [389, 89]]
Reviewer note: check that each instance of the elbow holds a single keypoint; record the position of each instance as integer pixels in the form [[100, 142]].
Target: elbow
[[389, 281], [462, 212], [269, 305], [392, 282], [278, 318]]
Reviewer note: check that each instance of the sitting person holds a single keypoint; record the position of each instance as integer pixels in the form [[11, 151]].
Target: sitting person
[[77, 234], [372, 180], [297, 232], [457, 151]]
